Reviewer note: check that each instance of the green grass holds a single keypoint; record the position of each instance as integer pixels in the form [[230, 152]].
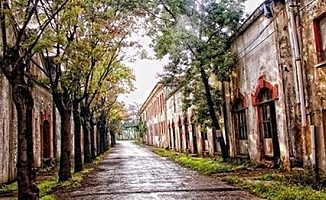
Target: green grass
[[207, 166], [9, 187], [276, 190], [49, 185], [48, 197], [46, 186], [166, 153], [204, 165], [294, 186]]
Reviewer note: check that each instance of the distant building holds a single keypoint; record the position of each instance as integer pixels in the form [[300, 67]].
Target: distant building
[[153, 113]]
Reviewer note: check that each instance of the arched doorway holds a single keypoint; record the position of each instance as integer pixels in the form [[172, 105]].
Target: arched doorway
[[268, 126], [46, 139]]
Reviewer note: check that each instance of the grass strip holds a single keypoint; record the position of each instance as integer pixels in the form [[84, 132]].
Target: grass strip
[[276, 186]]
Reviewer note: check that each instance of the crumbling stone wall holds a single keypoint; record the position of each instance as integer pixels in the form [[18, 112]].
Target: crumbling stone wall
[[8, 133], [43, 110], [314, 79], [263, 50]]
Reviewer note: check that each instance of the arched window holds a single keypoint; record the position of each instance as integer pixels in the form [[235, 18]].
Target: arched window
[[240, 119]]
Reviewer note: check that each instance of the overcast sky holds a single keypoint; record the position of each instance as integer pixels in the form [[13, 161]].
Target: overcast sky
[[146, 70]]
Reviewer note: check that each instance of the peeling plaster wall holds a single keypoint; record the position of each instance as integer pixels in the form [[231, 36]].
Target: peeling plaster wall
[[176, 117], [257, 49], [8, 129], [42, 111], [173, 114], [314, 79], [8, 133]]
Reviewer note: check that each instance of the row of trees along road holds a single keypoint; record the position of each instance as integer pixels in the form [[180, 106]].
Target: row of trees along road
[[80, 44]]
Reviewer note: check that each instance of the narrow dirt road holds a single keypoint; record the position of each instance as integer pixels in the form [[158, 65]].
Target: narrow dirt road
[[134, 172]]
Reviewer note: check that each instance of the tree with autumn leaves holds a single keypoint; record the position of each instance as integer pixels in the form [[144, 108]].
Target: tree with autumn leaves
[[88, 37], [23, 24]]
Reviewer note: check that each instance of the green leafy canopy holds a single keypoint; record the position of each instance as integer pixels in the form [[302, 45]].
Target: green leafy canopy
[[196, 37]]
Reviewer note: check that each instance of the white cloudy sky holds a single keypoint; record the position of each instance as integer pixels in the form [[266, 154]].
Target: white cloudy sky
[[146, 70]]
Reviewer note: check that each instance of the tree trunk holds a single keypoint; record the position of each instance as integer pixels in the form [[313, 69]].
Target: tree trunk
[[112, 134], [101, 132], [63, 104], [102, 142], [105, 142], [54, 129], [77, 130], [93, 145], [225, 114], [87, 144], [99, 141], [224, 149], [14, 69], [65, 163], [22, 96]]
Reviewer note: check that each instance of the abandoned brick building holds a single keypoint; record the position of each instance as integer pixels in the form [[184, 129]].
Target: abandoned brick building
[[275, 100]]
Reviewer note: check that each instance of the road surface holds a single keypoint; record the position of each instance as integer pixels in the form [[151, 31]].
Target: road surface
[[134, 172]]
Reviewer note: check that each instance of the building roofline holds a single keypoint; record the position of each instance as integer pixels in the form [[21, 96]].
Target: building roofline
[[254, 16], [158, 85]]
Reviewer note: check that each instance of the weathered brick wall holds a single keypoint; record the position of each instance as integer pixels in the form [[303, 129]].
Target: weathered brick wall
[[259, 59], [43, 110], [8, 134], [314, 78]]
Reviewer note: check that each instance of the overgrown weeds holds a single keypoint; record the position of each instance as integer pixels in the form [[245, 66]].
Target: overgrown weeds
[[274, 188], [8, 187], [272, 184], [306, 178], [207, 166]]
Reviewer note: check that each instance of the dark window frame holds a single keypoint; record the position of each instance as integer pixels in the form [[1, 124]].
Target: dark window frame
[[265, 105], [239, 113], [321, 54]]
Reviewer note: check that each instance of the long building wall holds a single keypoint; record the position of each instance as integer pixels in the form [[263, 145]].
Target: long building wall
[[8, 134], [46, 144], [153, 114], [264, 118], [312, 37]]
